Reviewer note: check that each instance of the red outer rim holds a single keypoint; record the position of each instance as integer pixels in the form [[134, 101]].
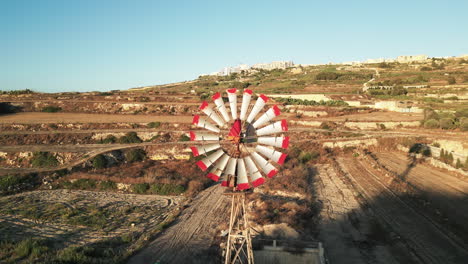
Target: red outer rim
[[216, 96], [248, 91], [272, 173], [276, 110], [264, 98], [196, 119], [282, 158], [284, 125], [258, 182], [224, 183], [285, 143], [203, 105], [192, 135], [243, 186], [213, 176], [233, 90], [202, 165], [195, 151]]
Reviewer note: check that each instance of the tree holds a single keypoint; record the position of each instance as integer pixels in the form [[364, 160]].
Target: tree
[[99, 162]]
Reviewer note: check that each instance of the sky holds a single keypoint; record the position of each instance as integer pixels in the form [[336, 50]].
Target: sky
[[101, 45]]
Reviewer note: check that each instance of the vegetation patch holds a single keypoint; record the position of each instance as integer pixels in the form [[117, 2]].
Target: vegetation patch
[[44, 160]]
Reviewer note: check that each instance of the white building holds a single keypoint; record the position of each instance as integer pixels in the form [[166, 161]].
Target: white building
[[411, 58], [274, 65]]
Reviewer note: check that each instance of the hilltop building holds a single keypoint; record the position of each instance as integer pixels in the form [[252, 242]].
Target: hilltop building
[[415, 58], [244, 67], [274, 65]]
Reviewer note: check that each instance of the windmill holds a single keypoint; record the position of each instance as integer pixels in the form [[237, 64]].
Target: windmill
[[239, 150]]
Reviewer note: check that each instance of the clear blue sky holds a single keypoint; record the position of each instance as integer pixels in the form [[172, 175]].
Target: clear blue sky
[[83, 45]]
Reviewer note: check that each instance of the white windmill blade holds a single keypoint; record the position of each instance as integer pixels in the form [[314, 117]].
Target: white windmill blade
[[265, 165], [203, 123], [220, 106], [276, 127], [218, 168], [255, 176], [197, 136], [208, 110], [242, 180], [258, 106], [233, 102], [245, 103], [272, 154], [197, 151], [279, 142], [231, 167], [273, 112], [208, 161]]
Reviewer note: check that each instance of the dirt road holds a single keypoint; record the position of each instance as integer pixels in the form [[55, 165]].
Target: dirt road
[[190, 237], [342, 237], [446, 193], [427, 241]]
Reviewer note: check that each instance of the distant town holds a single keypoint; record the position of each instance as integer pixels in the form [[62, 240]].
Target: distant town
[[289, 64]]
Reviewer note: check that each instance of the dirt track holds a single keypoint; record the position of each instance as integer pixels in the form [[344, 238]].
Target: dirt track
[[342, 238], [446, 193], [424, 238], [190, 237]]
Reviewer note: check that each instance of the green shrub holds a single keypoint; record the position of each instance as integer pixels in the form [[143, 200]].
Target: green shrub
[[140, 188], [130, 137], [51, 109], [72, 255], [458, 165], [327, 76], [6, 182], [154, 124], [184, 137], [43, 160], [84, 184], [109, 139], [30, 247], [431, 123], [135, 155], [166, 189], [107, 185], [305, 157], [99, 162], [447, 123]]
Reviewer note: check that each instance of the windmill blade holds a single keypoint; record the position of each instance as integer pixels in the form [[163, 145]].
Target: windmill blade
[[242, 180], [273, 112], [220, 106], [255, 176], [203, 123], [245, 103], [229, 172], [276, 127], [272, 154], [265, 165], [279, 142], [197, 151], [208, 110], [208, 161], [218, 168], [197, 136], [259, 104], [233, 102]]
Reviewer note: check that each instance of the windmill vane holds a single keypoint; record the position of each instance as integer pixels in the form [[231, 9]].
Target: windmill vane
[[241, 148]]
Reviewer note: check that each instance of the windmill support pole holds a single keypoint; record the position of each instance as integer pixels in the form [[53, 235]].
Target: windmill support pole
[[239, 244]]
